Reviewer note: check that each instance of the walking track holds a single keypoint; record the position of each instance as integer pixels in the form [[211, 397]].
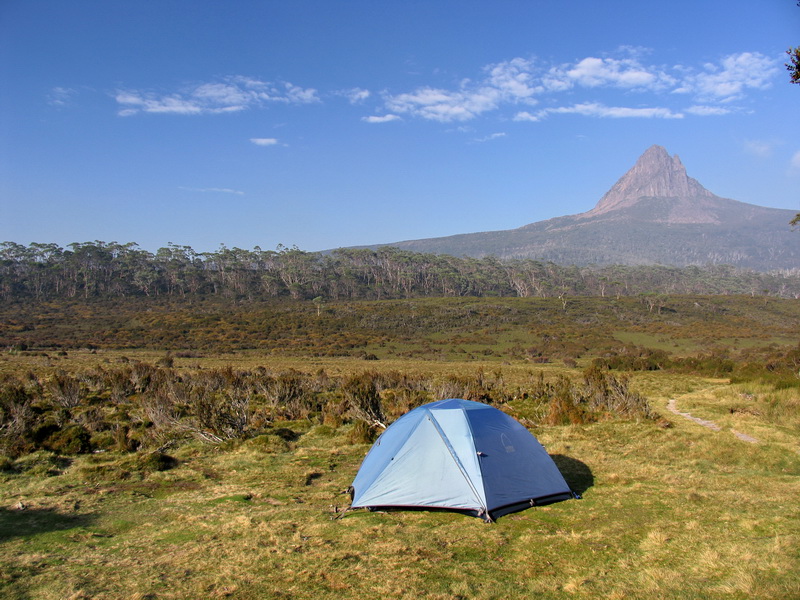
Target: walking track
[[709, 424]]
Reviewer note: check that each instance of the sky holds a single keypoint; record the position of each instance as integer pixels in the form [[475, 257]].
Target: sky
[[322, 124]]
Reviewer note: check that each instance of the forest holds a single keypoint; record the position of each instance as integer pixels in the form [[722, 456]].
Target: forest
[[42, 271]]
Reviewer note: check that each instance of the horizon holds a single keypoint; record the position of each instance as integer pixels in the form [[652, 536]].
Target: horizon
[[322, 126]]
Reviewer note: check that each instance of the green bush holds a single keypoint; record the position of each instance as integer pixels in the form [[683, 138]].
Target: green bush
[[73, 439], [6, 464], [155, 461], [41, 463], [268, 444], [361, 433]]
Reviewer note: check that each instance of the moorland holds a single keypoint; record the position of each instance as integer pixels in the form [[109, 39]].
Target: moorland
[[179, 446]]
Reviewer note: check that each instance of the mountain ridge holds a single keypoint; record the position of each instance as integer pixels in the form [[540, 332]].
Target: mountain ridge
[[654, 214]]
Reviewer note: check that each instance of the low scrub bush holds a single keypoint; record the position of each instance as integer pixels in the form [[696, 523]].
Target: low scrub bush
[[136, 406], [268, 444], [65, 390], [41, 463], [362, 432], [362, 394], [634, 358], [71, 440]]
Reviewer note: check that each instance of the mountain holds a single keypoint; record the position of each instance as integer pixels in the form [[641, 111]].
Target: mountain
[[654, 214]]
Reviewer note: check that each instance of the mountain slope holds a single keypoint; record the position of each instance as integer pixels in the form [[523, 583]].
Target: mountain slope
[[654, 214]]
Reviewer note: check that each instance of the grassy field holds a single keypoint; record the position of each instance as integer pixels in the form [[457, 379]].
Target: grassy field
[[670, 508]]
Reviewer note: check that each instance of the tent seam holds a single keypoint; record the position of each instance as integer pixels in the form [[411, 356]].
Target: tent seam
[[453, 454]]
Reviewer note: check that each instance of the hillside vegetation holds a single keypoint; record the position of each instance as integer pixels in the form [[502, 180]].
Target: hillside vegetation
[[112, 270]]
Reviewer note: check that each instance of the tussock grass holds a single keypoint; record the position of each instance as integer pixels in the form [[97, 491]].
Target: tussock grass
[[679, 512]]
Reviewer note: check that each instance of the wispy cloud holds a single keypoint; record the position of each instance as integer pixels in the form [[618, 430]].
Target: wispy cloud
[[595, 72], [602, 86], [758, 148], [212, 190], [355, 95], [492, 136], [729, 79], [708, 111], [234, 94], [519, 81], [794, 163], [264, 141], [61, 96], [594, 109], [506, 82], [380, 118]]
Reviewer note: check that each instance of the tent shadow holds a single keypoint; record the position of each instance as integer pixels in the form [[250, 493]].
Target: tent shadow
[[577, 474], [23, 523]]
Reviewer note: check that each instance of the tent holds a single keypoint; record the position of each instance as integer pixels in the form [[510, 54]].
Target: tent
[[458, 455]]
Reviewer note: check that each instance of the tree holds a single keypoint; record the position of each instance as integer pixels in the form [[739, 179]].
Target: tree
[[793, 66]]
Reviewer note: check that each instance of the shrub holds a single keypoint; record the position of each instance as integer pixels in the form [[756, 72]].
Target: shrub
[[103, 440], [634, 358], [361, 433], [606, 393], [362, 394], [566, 406], [41, 463], [6, 464], [155, 461], [17, 418], [220, 417], [73, 439], [65, 390], [333, 413], [268, 444], [289, 393], [166, 362]]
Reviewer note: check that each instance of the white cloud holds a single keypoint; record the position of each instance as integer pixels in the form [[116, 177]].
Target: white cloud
[[513, 79], [526, 116], [440, 105], [299, 95], [758, 148], [603, 72], [492, 136], [594, 109], [729, 79], [233, 95], [264, 141], [213, 190], [707, 111], [518, 83], [134, 103], [61, 96], [794, 163], [523, 81], [380, 119], [506, 82], [355, 95]]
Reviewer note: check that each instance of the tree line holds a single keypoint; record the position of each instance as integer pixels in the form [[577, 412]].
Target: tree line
[[42, 271]]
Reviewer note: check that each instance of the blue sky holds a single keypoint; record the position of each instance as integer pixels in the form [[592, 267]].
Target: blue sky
[[324, 124]]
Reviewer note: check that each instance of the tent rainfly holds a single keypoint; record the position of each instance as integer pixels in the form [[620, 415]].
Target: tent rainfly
[[458, 455]]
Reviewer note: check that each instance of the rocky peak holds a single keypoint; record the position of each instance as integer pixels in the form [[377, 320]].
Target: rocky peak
[[655, 174]]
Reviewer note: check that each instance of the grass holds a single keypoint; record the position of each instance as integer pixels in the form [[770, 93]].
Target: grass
[[681, 512], [670, 509]]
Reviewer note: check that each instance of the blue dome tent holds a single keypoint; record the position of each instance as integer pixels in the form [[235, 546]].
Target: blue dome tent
[[458, 455]]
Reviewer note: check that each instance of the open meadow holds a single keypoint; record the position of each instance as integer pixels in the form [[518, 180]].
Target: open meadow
[[161, 450]]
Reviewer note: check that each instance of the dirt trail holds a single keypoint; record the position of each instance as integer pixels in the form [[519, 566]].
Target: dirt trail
[[709, 424]]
